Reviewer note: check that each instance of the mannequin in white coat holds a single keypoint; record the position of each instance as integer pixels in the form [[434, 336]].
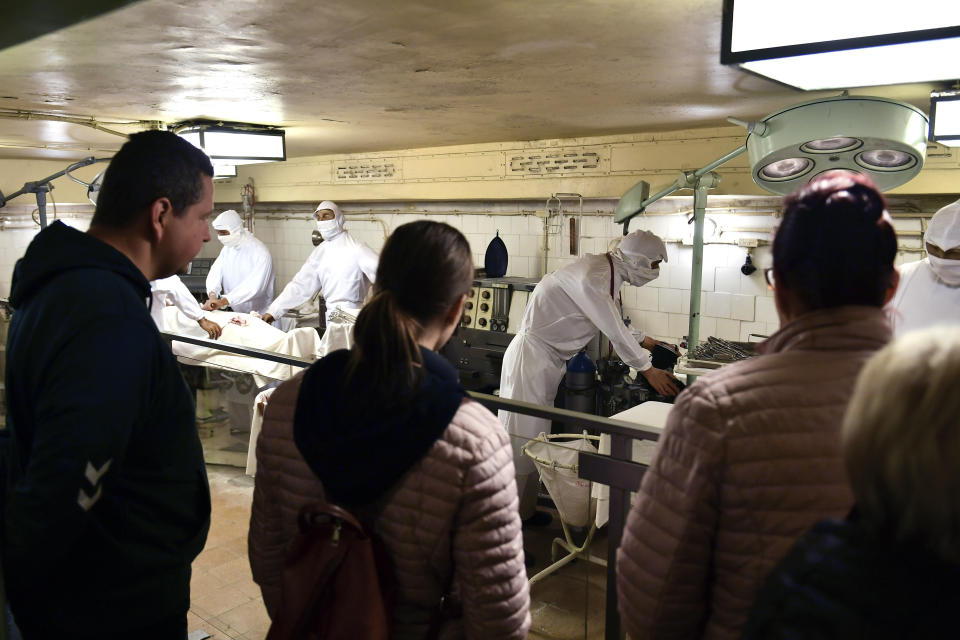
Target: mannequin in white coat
[[340, 268], [567, 308], [929, 292], [243, 272], [171, 292]]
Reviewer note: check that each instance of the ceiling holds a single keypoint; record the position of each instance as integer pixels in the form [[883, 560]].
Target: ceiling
[[365, 75]]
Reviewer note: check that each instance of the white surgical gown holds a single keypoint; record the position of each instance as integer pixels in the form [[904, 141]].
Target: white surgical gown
[[243, 274], [923, 300], [566, 310], [172, 291], [342, 270]]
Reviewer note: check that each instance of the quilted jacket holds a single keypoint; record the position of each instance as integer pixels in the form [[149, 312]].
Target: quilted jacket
[[749, 460], [454, 512]]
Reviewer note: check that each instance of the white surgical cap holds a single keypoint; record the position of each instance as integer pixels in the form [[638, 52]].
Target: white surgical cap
[[229, 220], [643, 247], [944, 228]]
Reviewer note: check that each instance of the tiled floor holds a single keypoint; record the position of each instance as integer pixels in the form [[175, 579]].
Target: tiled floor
[[226, 603], [568, 604]]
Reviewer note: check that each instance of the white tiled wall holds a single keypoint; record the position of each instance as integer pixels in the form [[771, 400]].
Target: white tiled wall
[[733, 305], [730, 302]]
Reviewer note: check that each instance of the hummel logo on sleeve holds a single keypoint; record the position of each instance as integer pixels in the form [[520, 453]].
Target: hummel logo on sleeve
[[93, 475]]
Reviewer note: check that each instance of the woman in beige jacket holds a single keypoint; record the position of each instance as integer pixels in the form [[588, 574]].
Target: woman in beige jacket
[[388, 423], [750, 457]]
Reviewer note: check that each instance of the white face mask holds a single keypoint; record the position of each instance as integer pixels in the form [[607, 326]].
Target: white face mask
[[639, 276], [947, 270], [229, 240], [633, 273], [329, 229]]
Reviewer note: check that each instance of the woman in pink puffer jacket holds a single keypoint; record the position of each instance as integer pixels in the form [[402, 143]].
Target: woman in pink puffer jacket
[[750, 457], [388, 423]]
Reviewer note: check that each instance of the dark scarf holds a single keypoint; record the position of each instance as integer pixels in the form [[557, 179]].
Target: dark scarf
[[361, 440]]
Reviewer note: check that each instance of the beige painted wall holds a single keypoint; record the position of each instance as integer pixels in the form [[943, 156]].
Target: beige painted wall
[[491, 171]]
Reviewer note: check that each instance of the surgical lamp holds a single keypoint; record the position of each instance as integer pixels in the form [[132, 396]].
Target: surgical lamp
[[883, 139], [42, 187]]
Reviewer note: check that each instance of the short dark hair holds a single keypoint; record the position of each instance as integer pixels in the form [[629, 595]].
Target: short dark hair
[[835, 245], [149, 166]]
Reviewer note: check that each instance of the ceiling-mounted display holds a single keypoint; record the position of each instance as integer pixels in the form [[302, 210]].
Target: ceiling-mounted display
[[945, 118], [825, 44], [235, 143]]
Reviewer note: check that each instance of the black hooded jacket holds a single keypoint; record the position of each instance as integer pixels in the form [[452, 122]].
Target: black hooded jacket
[[106, 500], [359, 439]]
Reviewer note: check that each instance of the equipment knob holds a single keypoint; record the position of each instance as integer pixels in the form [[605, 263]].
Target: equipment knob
[[484, 306], [483, 322], [466, 319], [485, 295], [468, 305]]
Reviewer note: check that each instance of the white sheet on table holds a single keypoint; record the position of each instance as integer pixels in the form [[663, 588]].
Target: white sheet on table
[[252, 332], [339, 335], [256, 424], [647, 414]]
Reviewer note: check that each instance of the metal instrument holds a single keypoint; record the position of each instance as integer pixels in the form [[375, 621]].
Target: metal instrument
[[720, 350]]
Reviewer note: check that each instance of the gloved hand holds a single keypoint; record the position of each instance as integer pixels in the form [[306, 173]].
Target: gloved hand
[[662, 382], [212, 328]]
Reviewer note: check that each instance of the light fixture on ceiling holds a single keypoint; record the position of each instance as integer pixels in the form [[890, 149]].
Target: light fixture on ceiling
[[945, 118], [824, 44], [235, 143]]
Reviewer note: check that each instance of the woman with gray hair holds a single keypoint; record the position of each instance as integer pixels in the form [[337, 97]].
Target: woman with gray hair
[[892, 568]]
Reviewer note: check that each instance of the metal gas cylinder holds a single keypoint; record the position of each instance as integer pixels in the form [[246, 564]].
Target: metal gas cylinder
[[581, 384]]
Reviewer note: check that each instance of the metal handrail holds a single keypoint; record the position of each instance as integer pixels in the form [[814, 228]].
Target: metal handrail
[[237, 349], [617, 470]]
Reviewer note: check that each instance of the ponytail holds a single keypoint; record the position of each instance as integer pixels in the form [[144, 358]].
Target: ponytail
[[385, 343], [425, 267]]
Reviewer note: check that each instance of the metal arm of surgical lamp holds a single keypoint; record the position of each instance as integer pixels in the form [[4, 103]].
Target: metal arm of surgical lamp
[[41, 187], [700, 181]]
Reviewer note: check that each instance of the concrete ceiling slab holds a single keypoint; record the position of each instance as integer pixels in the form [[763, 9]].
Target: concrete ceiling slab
[[367, 75]]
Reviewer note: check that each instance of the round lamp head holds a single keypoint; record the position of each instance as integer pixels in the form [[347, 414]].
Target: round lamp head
[[884, 139], [93, 189]]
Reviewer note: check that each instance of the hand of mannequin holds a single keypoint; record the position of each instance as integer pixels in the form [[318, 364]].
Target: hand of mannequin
[[212, 328]]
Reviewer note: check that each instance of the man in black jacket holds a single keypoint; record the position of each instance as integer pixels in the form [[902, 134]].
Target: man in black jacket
[[106, 501]]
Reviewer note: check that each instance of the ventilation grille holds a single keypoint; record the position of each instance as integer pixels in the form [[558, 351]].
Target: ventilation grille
[[551, 162], [372, 171]]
